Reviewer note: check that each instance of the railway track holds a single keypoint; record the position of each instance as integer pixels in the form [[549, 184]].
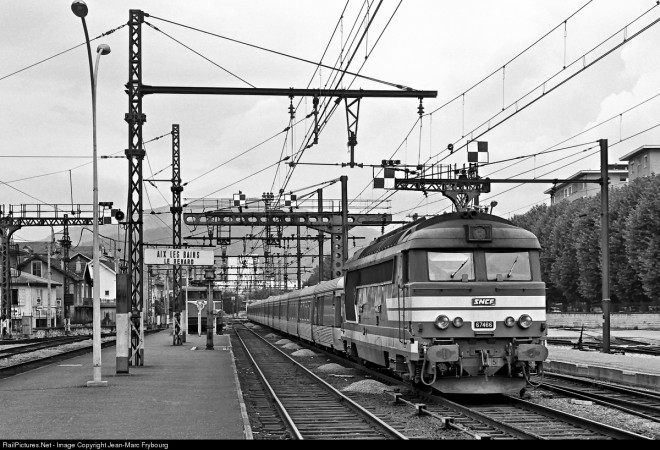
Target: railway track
[[503, 418], [310, 407], [541, 422], [28, 347], [14, 368], [627, 399]]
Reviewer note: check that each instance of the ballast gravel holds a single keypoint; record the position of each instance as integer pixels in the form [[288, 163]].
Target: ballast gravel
[[367, 387], [291, 346], [303, 352], [333, 368]]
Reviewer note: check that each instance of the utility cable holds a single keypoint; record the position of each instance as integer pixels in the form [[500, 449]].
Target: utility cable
[[61, 53], [398, 86], [199, 54]]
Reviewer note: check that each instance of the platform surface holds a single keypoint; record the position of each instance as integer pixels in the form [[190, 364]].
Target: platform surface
[[182, 392]]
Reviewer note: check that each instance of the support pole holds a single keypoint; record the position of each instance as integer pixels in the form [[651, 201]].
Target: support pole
[[298, 258], [135, 154], [210, 276], [122, 323], [605, 247], [176, 209], [67, 298], [344, 222], [320, 207]]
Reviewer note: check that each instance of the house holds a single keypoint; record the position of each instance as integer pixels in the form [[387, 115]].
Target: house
[[33, 305], [579, 186], [643, 161], [108, 291], [37, 265]]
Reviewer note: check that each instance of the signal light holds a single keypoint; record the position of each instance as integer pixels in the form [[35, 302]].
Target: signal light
[[458, 322], [509, 321], [390, 162]]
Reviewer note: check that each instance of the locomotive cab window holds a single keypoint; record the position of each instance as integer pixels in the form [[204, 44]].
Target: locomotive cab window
[[450, 266], [508, 266]]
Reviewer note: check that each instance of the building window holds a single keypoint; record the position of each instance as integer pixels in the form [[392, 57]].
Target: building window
[[107, 293], [36, 268], [78, 266], [646, 161], [622, 178]]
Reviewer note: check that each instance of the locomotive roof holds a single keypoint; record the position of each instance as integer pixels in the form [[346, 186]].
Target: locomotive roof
[[448, 231]]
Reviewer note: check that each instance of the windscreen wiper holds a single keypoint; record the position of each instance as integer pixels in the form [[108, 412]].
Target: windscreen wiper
[[461, 266], [508, 275]]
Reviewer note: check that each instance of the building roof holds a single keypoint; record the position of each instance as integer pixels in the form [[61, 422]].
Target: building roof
[[54, 265], [613, 169], [24, 278], [631, 155], [84, 255], [89, 272]]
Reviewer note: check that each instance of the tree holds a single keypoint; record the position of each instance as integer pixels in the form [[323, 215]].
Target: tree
[[327, 272], [586, 232], [564, 270], [643, 239], [626, 285]]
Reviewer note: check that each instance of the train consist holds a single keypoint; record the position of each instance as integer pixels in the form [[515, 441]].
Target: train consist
[[454, 303]]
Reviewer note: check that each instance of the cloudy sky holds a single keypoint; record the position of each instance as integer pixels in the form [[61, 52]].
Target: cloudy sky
[[559, 63]]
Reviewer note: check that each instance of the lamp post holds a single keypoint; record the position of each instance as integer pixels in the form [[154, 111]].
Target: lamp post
[[209, 275], [79, 8], [200, 305]]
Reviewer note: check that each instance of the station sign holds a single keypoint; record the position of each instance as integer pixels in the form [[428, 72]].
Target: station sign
[[179, 256]]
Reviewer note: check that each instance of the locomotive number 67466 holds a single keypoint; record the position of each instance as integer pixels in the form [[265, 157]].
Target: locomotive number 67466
[[453, 302]]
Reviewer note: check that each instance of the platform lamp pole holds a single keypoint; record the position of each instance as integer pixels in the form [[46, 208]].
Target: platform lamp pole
[[79, 8], [209, 275]]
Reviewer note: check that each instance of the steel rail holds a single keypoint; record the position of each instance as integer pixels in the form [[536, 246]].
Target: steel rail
[[270, 389], [332, 389]]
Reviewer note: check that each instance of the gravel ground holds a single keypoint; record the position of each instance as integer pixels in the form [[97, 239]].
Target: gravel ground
[[596, 412], [377, 396]]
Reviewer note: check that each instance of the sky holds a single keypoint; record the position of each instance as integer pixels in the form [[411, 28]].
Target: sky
[[527, 77]]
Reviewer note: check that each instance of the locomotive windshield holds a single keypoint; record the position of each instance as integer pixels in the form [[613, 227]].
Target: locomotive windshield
[[510, 266], [450, 266]]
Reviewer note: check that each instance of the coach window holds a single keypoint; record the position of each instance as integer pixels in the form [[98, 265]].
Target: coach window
[[508, 266], [450, 266]]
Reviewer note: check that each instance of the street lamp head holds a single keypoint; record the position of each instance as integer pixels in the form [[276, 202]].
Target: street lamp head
[[79, 8], [103, 49]]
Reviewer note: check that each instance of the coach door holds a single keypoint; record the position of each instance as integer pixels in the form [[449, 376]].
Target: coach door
[[402, 295]]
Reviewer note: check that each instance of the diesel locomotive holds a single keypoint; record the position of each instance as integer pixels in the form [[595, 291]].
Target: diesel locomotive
[[453, 303]]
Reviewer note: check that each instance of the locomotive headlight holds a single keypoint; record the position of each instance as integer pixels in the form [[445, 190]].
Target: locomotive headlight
[[441, 322], [525, 321], [509, 321], [458, 322]]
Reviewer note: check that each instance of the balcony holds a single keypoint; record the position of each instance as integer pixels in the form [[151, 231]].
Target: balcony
[[105, 302]]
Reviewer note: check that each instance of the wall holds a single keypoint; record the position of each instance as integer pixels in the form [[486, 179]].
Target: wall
[[75, 331], [595, 320]]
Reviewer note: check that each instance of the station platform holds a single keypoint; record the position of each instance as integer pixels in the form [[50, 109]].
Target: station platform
[[628, 368], [182, 392]]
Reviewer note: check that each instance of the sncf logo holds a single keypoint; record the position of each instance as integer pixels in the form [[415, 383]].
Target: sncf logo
[[483, 301]]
